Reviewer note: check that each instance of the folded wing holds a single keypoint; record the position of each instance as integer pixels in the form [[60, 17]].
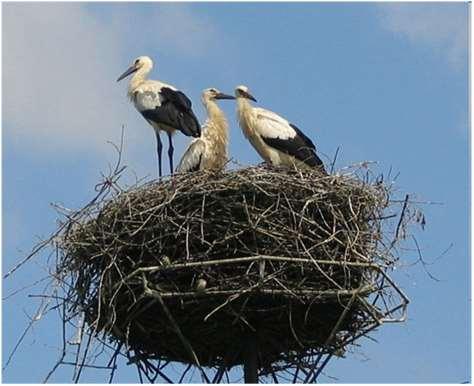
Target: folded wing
[[171, 108], [192, 158], [278, 133]]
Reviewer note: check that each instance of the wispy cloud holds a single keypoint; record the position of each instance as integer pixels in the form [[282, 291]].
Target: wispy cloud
[[61, 60], [179, 29], [441, 26]]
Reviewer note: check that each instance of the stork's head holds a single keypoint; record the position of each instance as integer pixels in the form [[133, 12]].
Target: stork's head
[[243, 92], [213, 93], [142, 63]]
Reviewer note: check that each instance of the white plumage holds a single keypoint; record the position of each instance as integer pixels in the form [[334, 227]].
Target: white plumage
[[278, 141], [270, 124], [210, 150], [162, 105], [193, 156]]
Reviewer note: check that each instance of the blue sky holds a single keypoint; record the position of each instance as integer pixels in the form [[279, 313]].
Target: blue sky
[[385, 82]]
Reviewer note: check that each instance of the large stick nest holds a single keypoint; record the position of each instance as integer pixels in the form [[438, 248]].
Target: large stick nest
[[193, 268]]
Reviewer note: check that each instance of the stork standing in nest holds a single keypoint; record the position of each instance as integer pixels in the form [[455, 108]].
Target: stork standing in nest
[[278, 141], [209, 152], [163, 106]]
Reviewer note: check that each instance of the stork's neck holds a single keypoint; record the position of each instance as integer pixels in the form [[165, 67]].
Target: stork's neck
[[243, 108], [213, 110], [137, 79], [217, 118]]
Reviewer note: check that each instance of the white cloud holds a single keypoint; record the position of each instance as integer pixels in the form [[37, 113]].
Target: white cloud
[[61, 60], [58, 85], [441, 26]]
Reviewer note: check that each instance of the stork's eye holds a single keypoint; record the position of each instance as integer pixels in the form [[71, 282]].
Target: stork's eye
[[137, 61]]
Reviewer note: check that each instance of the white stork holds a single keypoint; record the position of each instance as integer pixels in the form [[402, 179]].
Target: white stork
[[276, 140], [162, 105], [210, 150]]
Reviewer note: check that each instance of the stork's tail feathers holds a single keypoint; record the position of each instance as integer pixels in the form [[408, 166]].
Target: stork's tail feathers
[[322, 170], [189, 125], [318, 164]]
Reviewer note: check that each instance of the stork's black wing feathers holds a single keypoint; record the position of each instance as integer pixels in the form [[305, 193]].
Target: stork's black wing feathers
[[188, 122], [303, 136], [175, 111], [300, 147], [176, 97]]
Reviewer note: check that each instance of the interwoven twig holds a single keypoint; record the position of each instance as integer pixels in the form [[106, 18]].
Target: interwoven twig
[[187, 269]]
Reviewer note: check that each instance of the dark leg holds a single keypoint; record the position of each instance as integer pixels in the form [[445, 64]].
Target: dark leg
[[159, 148], [170, 153]]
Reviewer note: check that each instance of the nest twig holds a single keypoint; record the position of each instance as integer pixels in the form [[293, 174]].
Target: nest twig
[[192, 268]]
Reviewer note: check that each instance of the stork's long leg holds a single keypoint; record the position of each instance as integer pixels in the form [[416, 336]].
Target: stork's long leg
[[159, 148], [170, 152]]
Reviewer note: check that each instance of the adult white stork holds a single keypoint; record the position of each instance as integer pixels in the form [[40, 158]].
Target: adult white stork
[[278, 141], [210, 150], [162, 105]]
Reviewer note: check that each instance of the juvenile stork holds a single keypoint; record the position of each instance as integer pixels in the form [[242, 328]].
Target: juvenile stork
[[276, 140], [162, 105], [210, 150]]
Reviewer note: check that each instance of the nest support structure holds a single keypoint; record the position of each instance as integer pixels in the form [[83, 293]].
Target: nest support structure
[[277, 270]]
